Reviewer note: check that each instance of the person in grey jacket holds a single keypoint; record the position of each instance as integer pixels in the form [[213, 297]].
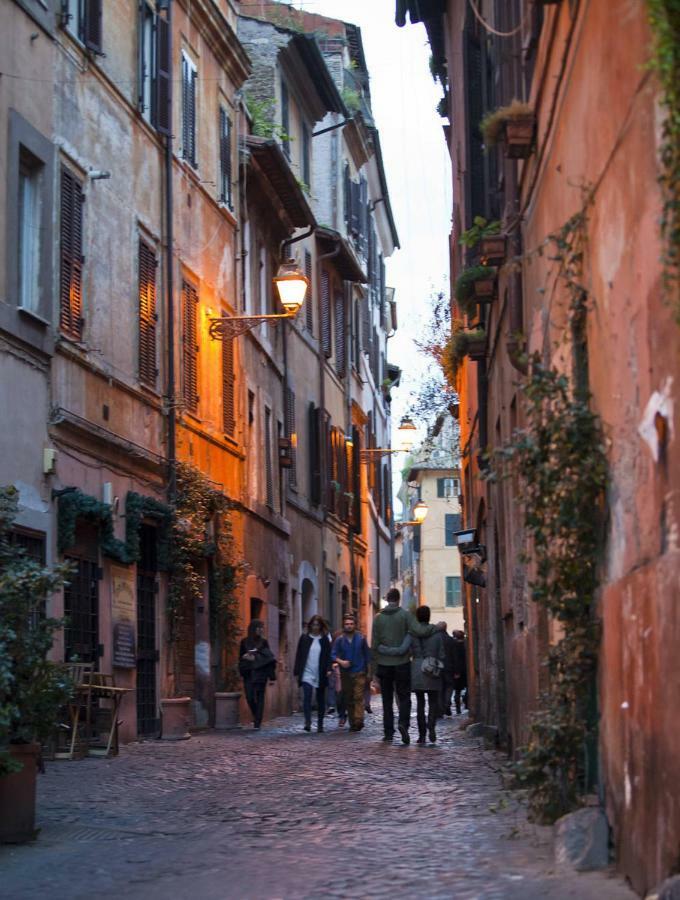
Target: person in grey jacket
[[423, 684]]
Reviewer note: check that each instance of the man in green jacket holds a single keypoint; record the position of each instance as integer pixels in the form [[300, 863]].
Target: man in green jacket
[[390, 628]]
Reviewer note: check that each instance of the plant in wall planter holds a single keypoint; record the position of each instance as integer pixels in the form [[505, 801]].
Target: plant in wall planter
[[514, 126], [475, 344], [475, 285], [462, 343], [32, 689]]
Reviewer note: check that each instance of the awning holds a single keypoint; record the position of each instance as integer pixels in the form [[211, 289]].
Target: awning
[[345, 261], [276, 169]]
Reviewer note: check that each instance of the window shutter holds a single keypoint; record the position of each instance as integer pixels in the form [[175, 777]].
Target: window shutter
[[228, 397], [475, 110], [291, 434], [355, 222], [331, 467], [340, 361], [285, 118], [147, 314], [314, 426], [268, 461], [348, 198], [161, 107], [366, 325], [440, 487], [92, 30], [71, 252], [356, 480], [309, 295], [188, 112], [451, 525], [363, 214], [192, 119], [189, 346], [383, 296], [225, 159], [326, 314]]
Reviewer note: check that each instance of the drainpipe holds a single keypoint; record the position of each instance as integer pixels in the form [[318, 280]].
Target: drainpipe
[[515, 342], [170, 305]]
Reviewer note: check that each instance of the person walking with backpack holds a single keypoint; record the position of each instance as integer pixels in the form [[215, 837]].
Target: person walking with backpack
[[393, 670], [312, 664], [350, 651]]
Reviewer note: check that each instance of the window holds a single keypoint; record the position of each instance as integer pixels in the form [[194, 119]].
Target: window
[[448, 487], [291, 434], [268, 460], [71, 256], [326, 314], [147, 314], [226, 196], [285, 119], [228, 398], [451, 525], [340, 363], [83, 18], [306, 148], [189, 346], [147, 60], [29, 230], [189, 76], [453, 591], [314, 432], [309, 294]]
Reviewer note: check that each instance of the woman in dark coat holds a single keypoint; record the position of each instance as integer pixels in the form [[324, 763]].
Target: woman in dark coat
[[257, 666], [312, 664]]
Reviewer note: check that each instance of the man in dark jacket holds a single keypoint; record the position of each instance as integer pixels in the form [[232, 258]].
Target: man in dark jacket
[[350, 651], [390, 627], [449, 668]]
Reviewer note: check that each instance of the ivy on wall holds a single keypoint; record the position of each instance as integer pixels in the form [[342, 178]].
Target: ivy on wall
[[664, 20], [560, 459]]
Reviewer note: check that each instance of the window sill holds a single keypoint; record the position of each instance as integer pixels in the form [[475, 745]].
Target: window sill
[[31, 314]]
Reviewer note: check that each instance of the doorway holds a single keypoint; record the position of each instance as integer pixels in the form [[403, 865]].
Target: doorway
[[147, 653]]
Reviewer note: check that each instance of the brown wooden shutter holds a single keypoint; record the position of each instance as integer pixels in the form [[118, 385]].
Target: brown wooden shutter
[[228, 394], [291, 434], [161, 105], [309, 296], [356, 480], [314, 440], [326, 314], [268, 461], [71, 257], [147, 314], [331, 468], [340, 362], [225, 159], [189, 346], [92, 25]]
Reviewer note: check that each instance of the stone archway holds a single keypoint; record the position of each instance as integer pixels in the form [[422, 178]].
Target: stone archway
[[310, 601]]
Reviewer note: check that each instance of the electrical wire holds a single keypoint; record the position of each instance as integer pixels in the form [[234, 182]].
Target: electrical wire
[[490, 28]]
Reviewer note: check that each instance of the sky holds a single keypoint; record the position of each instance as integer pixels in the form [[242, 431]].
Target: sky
[[404, 99]]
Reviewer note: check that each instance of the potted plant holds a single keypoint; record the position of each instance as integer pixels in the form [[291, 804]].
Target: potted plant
[[513, 125], [475, 285], [32, 689], [486, 236], [227, 701], [462, 343], [476, 344]]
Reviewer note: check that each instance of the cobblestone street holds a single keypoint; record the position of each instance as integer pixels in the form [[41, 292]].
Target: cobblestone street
[[282, 813]]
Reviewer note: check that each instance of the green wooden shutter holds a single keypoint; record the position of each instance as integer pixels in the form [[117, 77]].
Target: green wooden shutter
[[160, 113], [326, 314]]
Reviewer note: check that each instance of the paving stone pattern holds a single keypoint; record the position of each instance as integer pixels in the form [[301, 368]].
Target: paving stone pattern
[[280, 813]]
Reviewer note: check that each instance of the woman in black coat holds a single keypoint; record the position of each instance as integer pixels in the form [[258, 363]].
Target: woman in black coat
[[312, 664], [257, 666]]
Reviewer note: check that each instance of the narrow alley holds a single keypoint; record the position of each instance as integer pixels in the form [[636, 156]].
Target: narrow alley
[[223, 815]]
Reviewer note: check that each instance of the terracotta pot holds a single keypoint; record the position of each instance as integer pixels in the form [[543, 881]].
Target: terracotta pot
[[492, 250], [17, 796], [485, 289], [226, 710], [175, 718], [519, 137]]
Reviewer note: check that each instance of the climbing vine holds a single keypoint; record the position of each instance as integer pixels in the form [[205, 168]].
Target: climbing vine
[[201, 530], [560, 459], [664, 19]]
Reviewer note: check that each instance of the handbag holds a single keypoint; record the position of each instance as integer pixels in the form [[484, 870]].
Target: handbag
[[431, 665]]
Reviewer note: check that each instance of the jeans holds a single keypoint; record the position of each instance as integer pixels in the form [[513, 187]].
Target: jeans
[[353, 685], [447, 693], [432, 708], [307, 694], [399, 678], [255, 699]]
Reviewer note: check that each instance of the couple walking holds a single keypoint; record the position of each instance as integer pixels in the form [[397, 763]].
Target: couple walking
[[315, 659], [409, 656]]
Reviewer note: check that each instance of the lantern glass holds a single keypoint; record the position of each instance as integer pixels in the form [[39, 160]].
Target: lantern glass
[[291, 285], [420, 511], [407, 434]]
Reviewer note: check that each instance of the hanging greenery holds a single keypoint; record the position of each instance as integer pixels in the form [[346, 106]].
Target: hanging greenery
[[560, 459], [201, 529], [664, 19], [74, 505]]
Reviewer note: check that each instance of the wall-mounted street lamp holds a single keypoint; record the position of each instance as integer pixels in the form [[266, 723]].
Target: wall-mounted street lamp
[[406, 433], [291, 285], [420, 511], [468, 544]]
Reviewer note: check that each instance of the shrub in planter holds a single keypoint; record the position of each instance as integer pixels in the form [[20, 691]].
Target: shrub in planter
[[487, 237], [461, 343], [474, 285], [31, 689], [514, 125]]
